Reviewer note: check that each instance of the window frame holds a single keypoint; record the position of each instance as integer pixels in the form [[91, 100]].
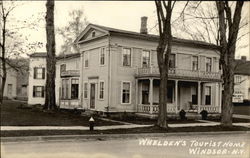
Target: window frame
[[85, 55], [210, 88], [149, 63], [211, 64], [173, 54], [130, 87], [72, 88], [85, 91], [130, 57], [35, 90], [99, 89], [35, 69], [195, 56], [102, 50]]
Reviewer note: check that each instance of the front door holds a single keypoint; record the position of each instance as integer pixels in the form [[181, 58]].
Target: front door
[[92, 96], [9, 91]]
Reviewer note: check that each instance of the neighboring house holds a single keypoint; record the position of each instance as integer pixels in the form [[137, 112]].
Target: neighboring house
[[117, 71], [242, 81], [10, 84]]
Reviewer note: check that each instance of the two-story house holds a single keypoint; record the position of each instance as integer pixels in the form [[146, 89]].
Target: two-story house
[[117, 71]]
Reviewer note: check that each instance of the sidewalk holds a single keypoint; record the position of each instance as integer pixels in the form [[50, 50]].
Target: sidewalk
[[16, 128]]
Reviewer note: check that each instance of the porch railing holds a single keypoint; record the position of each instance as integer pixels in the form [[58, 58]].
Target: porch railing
[[174, 72], [69, 104], [70, 73], [210, 109]]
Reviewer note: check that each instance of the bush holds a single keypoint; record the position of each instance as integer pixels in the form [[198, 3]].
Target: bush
[[182, 114], [204, 114]]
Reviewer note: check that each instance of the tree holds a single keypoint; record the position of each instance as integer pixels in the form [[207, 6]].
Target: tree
[[164, 48], [12, 42], [72, 30], [50, 103], [228, 38]]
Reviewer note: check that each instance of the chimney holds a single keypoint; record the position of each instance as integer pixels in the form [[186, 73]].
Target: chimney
[[243, 58], [144, 29]]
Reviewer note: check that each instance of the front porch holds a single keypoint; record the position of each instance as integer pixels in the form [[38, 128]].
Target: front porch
[[191, 96]]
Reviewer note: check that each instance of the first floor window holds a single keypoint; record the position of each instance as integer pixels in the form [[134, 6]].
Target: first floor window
[[208, 95], [126, 92], [38, 91], [65, 89], [85, 90], [101, 90], [126, 57], [194, 95], [170, 94], [74, 88], [145, 93]]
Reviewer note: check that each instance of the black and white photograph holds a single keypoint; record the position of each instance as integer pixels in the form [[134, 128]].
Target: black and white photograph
[[124, 79]]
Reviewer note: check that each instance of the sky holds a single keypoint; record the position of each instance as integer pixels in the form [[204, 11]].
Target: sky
[[118, 14]]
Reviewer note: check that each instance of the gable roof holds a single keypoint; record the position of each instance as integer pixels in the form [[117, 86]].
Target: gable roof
[[138, 35], [67, 56], [242, 67]]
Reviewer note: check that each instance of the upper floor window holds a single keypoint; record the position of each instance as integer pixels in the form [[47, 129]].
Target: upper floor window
[[208, 95], [145, 58], [102, 56], [126, 57], [195, 63], [62, 68], [237, 79], [93, 34], [172, 61], [38, 91], [86, 59], [101, 90], [39, 73], [74, 88], [125, 92], [208, 64]]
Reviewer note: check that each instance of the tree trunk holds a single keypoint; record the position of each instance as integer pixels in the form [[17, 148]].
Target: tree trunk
[[50, 103]]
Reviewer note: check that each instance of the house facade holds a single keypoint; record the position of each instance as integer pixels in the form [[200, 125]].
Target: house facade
[[117, 71]]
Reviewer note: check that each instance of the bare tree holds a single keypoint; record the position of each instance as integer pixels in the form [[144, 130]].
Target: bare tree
[[72, 30], [164, 48], [228, 38], [12, 42], [50, 101]]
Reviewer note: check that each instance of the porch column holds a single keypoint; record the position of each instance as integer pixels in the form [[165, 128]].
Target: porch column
[[199, 97], [220, 96], [151, 94], [176, 96], [136, 94]]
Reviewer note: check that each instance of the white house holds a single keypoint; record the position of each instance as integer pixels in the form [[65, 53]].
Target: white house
[[117, 71]]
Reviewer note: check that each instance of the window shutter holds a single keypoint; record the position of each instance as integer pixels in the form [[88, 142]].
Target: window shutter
[[43, 91], [43, 73], [35, 72], [34, 94]]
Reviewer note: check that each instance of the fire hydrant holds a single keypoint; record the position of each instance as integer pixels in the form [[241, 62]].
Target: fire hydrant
[[91, 124]]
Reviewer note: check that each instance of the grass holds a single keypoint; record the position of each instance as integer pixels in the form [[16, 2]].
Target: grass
[[13, 115], [153, 129]]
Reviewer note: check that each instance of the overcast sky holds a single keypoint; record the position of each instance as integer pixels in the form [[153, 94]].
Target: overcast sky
[[118, 14]]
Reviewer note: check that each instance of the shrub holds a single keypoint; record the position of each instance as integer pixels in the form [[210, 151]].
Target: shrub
[[204, 114], [182, 114]]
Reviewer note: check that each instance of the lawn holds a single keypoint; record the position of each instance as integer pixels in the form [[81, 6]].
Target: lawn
[[13, 115], [153, 129], [242, 109]]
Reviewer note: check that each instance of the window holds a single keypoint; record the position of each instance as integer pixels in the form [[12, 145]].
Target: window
[[145, 58], [172, 61], [125, 92], [93, 34], [237, 79], [194, 95], [85, 90], [126, 57], [208, 64], [145, 93], [74, 88], [170, 94], [62, 68], [39, 73], [195, 63], [38, 91], [101, 90], [208, 95], [102, 56], [65, 89], [86, 59]]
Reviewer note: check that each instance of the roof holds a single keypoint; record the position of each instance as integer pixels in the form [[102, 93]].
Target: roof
[[39, 54], [242, 67], [73, 55], [152, 36]]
